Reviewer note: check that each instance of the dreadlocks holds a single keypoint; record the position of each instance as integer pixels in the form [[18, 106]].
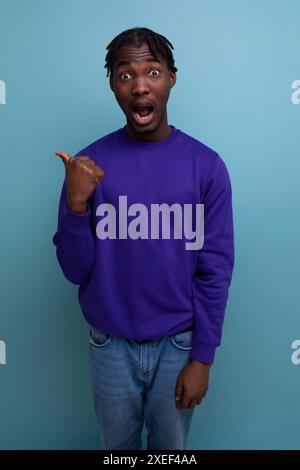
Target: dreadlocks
[[158, 45]]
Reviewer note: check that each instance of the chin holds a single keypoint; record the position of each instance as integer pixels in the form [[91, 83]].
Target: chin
[[143, 129]]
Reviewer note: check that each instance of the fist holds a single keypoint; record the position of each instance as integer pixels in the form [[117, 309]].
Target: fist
[[82, 176]]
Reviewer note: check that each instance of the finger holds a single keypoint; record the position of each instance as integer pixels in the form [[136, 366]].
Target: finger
[[194, 402], [185, 401], [86, 161], [100, 174], [64, 156], [178, 391], [99, 177]]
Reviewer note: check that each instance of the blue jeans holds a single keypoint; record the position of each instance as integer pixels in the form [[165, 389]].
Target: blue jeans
[[133, 381]]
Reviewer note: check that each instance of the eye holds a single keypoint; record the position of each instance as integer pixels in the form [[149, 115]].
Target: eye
[[155, 70], [123, 73]]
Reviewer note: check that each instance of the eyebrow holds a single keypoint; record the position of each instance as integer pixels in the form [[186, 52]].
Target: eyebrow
[[128, 62]]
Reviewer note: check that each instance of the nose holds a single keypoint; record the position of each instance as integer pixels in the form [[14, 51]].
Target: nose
[[140, 87]]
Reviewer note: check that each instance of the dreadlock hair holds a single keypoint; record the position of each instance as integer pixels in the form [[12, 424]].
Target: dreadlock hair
[[158, 45]]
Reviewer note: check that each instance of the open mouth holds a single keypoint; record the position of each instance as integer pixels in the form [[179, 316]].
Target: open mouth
[[143, 114]]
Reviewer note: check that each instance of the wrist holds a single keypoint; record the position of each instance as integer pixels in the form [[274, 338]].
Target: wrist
[[79, 207], [200, 363]]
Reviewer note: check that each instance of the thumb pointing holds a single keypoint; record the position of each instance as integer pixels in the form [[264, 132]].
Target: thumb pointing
[[64, 156]]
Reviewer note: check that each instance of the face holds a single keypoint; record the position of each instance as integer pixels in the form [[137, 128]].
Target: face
[[141, 84]]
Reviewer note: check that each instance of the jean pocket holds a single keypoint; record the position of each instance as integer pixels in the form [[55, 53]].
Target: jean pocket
[[99, 338], [183, 340]]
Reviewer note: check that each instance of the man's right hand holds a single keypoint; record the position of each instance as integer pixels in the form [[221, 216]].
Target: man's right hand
[[82, 175]]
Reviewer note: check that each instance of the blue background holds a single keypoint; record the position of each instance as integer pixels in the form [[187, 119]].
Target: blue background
[[236, 62]]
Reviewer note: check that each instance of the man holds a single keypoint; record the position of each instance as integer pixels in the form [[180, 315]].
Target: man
[[154, 301]]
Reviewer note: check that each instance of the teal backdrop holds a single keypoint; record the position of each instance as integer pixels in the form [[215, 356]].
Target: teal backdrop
[[238, 91]]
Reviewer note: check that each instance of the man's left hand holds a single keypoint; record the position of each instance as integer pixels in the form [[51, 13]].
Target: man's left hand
[[192, 384]]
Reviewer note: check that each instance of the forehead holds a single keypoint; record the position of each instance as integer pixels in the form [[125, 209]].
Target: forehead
[[128, 55]]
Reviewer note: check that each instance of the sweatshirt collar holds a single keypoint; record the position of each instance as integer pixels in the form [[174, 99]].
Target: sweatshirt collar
[[143, 145]]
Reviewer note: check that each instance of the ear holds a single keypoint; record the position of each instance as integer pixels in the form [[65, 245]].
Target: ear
[[172, 79]]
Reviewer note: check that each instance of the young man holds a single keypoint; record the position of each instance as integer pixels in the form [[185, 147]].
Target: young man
[[130, 205]]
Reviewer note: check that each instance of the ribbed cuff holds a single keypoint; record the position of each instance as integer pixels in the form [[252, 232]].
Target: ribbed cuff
[[76, 222], [203, 352]]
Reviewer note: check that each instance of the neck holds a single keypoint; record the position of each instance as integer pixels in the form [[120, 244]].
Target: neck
[[155, 135]]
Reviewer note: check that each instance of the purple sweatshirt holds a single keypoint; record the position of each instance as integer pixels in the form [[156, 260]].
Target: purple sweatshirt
[[154, 253]]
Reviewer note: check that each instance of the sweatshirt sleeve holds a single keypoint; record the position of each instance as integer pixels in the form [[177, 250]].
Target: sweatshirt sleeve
[[214, 267], [74, 241]]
